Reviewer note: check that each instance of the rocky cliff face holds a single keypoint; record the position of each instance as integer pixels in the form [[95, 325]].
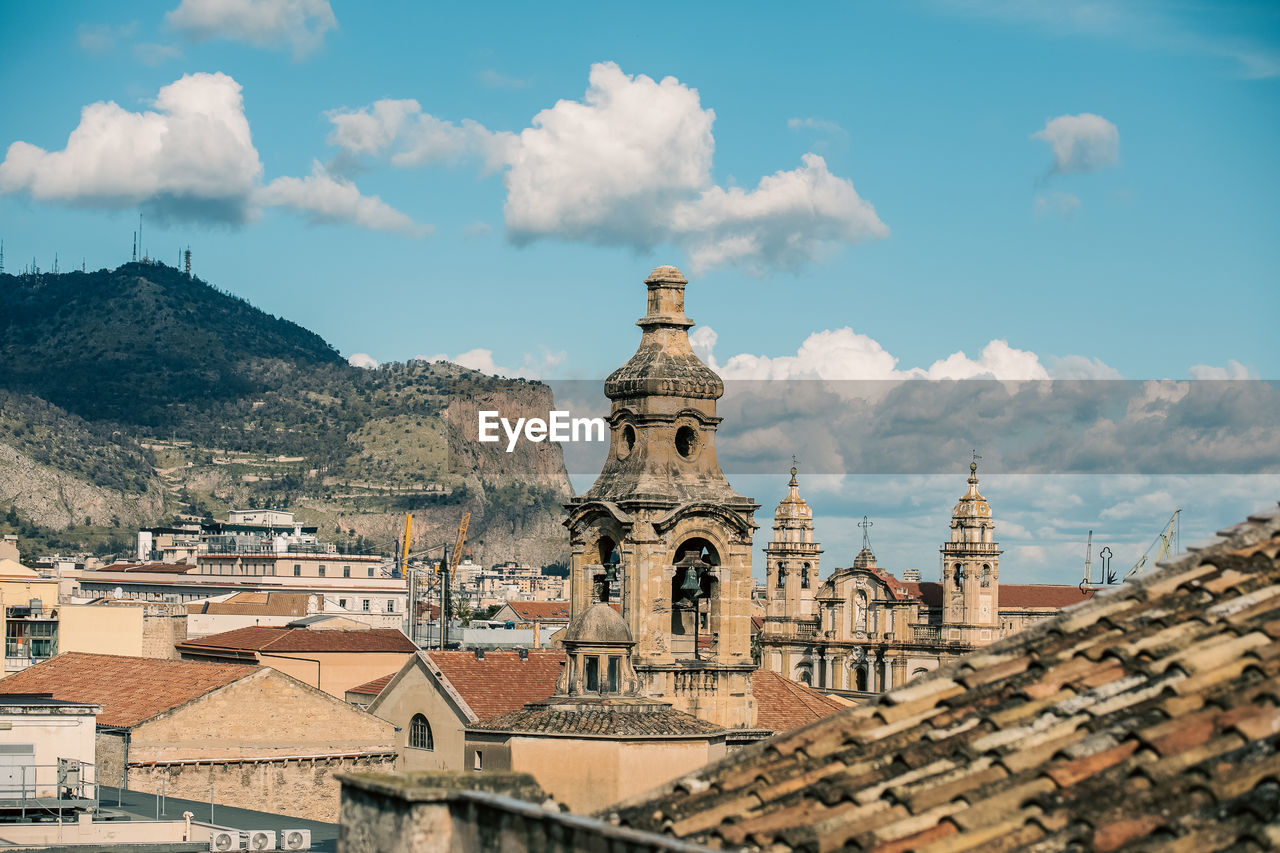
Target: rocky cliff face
[[52, 498]]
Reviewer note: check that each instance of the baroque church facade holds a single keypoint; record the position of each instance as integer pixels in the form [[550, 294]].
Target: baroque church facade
[[863, 630]]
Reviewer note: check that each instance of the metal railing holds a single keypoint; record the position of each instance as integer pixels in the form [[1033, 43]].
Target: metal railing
[[40, 788]]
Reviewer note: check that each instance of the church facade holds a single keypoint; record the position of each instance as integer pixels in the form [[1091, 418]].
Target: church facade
[[863, 630]]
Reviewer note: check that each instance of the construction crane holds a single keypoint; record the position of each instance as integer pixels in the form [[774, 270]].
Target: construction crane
[[1165, 543], [442, 572]]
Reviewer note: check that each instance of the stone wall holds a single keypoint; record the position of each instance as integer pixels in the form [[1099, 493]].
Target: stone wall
[[304, 788]]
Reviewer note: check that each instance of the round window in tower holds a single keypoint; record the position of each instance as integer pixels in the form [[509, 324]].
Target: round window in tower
[[686, 441]]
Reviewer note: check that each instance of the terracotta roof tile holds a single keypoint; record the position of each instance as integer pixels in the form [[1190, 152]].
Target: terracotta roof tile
[[130, 690], [267, 639], [538, 611], [256, 604], [500, 682], [783, 704], [1148, 717], [372, 688], [603, 721]]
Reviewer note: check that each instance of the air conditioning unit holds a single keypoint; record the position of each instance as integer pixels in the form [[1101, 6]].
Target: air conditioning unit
[[262, 839], [295, 839], [226, 839]]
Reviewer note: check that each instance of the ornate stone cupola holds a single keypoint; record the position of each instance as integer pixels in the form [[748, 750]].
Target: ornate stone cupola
[[971, 566], [682, 535], [791, 559], [597, 647]]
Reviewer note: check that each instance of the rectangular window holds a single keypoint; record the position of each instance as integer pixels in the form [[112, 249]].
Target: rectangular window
[[615, 665], [342, 602], [322, 571], [346, 571], [371, 571], [366, 605], [297, 570], [593, 674], [477, 761], [391, 605]]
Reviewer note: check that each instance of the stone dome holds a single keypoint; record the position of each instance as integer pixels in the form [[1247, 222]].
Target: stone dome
[[793, 506], [865, 559], [598, 624], [665, 364], [972, 504]]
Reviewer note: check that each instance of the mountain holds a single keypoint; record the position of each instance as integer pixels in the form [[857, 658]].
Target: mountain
[[134, 393]]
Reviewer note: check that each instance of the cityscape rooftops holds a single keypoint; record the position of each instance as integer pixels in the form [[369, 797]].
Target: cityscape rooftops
[[499, 682], [1147, 715]]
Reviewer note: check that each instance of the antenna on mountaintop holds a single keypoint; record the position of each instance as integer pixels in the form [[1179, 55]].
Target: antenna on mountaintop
[[135, 245], [187, 257], [1, 257]]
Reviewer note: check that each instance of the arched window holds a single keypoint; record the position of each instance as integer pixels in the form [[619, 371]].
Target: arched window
[[959, 575], [804, 576], [420, 733], [862, 679], [782, 575], [986, 575]]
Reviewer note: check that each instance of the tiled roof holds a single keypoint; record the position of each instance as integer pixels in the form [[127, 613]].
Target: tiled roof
[[148, 568], [535, 611], [501, 682], [783, 704], [1147, 717], [130, 690], [1011, 594], [256, 604], [1042, 595], [372, 688], [603, 721], [267, 639]]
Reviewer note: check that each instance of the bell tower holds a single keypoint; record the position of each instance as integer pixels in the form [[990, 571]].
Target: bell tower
[[971, 569], [663, 526], [791, 559]]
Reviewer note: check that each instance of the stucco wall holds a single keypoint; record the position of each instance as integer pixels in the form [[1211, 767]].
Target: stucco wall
[[590, 774], [418, 693], [336, 672]]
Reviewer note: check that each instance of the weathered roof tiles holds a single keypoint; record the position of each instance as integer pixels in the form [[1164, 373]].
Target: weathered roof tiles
[[1145, 718]]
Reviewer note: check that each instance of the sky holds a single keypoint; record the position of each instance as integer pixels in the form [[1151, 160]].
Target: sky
[[945, 189]]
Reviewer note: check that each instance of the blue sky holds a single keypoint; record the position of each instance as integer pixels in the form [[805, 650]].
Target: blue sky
[[1090, 185]]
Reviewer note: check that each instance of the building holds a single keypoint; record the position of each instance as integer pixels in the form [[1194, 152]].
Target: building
[[663, 532], [1145, 718], [145, 629], [863, 631], [29, 607], [435, 695], [46, 755], [546, 618], [249, 735], [249, 609], [332, 660]]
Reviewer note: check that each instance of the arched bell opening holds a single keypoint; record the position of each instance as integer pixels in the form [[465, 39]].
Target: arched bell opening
[[695, 610]]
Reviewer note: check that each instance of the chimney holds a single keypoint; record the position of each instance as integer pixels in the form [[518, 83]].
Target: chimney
[[524, 654], [479, 654]]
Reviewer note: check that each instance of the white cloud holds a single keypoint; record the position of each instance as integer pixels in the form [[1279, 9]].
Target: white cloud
[[362, 359], [1081, 143], [628, 165], [790, 218], [1057, 204], [400, 129], [541, 366], [1232, 370], [192, 157], [843, 354], [819, 124], [1080, 367], [477, 230], [609, 168], [497, 80], [301, 24], [152, 53], [101, 39], [326, 199]]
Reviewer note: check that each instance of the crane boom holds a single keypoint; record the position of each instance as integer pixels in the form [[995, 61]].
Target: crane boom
[[456, 554], [1165, 543]]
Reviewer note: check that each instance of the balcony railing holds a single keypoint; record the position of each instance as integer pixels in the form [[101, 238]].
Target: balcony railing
[[926, 633]]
